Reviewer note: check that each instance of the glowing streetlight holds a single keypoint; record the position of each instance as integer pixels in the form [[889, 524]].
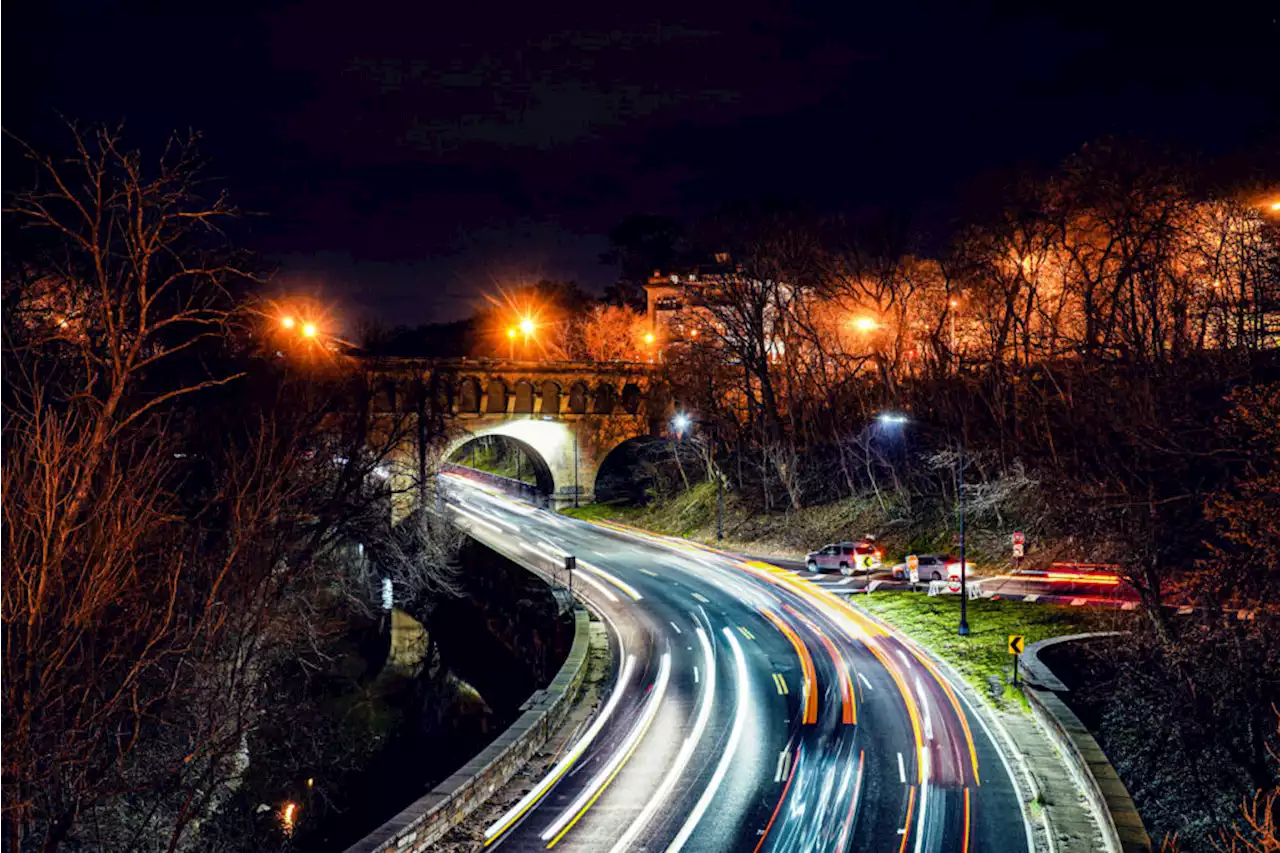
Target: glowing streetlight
[[648, 337], [288, 816], [309, 330], [865, 325], [511, 333], [1275, 207], [526, 326], [681, 423], [287, 322]]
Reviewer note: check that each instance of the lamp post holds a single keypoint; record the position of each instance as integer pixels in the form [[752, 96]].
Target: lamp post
[[892, 419], [964, 568], [577, 425], [680, 423]]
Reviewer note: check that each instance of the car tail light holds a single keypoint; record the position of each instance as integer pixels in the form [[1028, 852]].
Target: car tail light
[[879, 554]]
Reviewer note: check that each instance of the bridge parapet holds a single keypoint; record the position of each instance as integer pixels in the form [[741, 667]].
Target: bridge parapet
[[566, 416]]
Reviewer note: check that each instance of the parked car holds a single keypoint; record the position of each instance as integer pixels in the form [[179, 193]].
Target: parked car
[[933, 567], [845, 557]]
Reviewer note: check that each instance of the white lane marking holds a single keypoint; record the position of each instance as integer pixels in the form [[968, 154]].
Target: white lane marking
[[902, 770], [702, 598], [501, 824], [677, 627], [741, 712], [924, 799], [620, 754], [845, 582], [784, 766], [686, 749], [864, 681], [695, 671]]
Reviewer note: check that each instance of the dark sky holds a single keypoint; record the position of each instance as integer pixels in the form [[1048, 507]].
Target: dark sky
[[407, 157]]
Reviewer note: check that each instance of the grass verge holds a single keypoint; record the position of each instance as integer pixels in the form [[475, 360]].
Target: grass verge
[[982, 657]]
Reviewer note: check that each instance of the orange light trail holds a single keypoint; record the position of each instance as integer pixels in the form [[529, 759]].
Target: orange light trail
[[965, 844], [806, 666], [906, 827], [848, 711]]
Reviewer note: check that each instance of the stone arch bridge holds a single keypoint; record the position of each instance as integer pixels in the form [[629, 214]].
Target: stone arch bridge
[[566, 416]]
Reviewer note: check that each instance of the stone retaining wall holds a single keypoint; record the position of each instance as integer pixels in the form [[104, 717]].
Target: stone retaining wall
[[1122, 827], [429, 818]]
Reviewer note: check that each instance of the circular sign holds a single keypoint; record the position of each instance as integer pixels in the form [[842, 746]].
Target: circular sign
[[953, 584], [1018, 539], [913, 562]]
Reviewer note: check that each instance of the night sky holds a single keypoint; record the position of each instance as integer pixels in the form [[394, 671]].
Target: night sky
[[406, 157]]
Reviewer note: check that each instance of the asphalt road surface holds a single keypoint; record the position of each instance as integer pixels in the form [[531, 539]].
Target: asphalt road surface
[[751, 711]]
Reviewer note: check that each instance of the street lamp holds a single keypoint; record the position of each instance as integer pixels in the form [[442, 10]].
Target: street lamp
[[682, 422], [896, 419], [865, 325], [287, 322], [309, 330]]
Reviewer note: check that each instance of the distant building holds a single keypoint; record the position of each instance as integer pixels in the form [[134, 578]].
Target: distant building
[[671, 294]]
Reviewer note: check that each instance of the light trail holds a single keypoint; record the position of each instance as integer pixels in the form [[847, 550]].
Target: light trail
[[743, 708], [604, 590], [570, 816], [512, 815], [848, 710], [616, 581], [809, 691], [853, 804], [686, 749]]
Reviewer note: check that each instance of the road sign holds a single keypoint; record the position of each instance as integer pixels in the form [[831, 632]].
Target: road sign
[[1015, 644], [953, 584], [913, 566], [868, 561], [1018, 540], [1018, 549]]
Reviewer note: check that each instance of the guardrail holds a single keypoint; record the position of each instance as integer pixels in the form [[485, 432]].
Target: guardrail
[[1121, 824], [429, 818]]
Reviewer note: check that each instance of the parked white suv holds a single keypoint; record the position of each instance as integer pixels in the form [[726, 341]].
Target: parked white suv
[[844, 557], [932, 567]]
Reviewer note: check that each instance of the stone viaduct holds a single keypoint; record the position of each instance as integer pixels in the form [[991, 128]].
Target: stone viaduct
[[566, 416]]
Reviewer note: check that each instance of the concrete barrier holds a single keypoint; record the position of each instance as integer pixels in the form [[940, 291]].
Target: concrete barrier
[[1122, 828], [430, 817]]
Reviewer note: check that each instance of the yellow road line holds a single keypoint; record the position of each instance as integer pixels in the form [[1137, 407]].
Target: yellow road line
[[746, 633]]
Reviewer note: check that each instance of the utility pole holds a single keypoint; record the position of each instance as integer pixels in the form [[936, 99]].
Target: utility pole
[[964, 587], [719, 488]]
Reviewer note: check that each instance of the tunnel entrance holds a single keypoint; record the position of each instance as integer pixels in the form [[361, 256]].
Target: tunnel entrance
[[632, 471], [506, 458]]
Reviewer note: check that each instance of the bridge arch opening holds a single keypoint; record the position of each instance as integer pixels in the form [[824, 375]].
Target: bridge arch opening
[[632, 471], [508, 458]]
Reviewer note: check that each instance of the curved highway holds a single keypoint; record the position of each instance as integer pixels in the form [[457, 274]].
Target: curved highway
[[750, 711]]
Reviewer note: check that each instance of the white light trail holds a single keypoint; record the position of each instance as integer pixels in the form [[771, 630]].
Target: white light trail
[[618, 582], [604, 590], [686, 749], [620, 755], [513, 814], [739, 724]]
